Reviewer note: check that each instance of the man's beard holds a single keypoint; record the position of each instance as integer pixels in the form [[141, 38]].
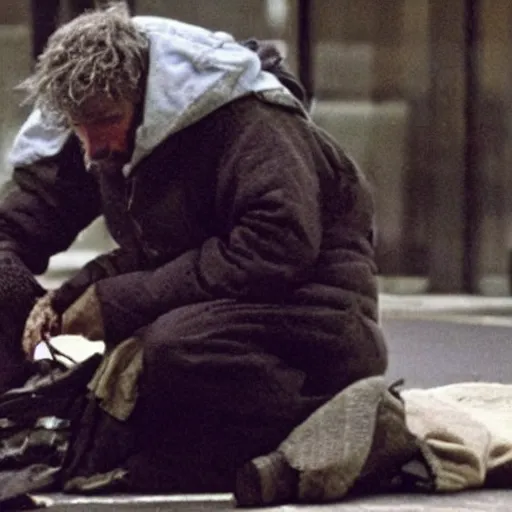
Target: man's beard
[[108, 163]]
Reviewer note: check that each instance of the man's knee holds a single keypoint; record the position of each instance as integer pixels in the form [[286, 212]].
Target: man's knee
[[18, 293]]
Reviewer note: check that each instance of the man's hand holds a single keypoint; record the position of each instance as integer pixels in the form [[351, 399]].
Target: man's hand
[[42, 323], [84, 317]]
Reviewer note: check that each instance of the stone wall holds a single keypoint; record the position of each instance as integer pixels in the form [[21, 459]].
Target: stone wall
[[14, 12]]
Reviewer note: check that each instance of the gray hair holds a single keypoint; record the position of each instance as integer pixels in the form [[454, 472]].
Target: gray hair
[[100, 52]]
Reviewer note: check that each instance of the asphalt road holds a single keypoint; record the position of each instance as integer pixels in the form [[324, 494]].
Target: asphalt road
[[429, 353]]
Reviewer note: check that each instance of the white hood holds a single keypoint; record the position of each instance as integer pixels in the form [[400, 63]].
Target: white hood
[[192, 72]]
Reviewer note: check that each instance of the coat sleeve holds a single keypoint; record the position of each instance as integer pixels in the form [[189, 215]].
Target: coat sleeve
[[45, 205], [267, 201], [109, 264]]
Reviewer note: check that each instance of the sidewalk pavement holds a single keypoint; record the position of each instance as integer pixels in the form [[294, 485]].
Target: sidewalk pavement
[[471, 501]]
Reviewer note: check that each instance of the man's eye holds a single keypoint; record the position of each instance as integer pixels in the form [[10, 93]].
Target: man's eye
[[108, 121]]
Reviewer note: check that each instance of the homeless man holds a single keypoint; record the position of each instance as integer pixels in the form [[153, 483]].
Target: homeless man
[[244, 265]]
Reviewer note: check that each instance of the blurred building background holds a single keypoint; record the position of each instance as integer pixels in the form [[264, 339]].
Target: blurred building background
[[418, 92]]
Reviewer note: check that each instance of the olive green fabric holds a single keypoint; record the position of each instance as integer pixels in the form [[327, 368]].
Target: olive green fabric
[[115, 383]]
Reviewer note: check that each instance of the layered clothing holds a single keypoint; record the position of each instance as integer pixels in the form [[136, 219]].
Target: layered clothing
[[245, 260]]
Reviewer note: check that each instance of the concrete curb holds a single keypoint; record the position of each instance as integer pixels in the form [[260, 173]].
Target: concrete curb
[[496, 311]]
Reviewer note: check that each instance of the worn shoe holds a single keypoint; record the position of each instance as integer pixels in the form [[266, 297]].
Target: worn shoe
[[355, 442], [266, 480]]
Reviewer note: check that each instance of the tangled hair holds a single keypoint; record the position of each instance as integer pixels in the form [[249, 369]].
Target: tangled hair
[[99, 53]]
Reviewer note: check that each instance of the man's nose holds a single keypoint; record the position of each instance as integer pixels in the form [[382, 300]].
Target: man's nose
[[95, 143]]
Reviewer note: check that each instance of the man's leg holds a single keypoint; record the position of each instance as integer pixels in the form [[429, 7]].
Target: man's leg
[[209, 403], [18, 292]]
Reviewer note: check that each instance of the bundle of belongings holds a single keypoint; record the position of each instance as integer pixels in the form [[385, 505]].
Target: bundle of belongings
[[369, 438]]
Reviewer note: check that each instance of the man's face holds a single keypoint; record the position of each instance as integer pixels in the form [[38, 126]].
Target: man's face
[[105, 130]]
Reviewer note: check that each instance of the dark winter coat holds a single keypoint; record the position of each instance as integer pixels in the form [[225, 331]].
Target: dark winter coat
[[253, 206], [245, 267]]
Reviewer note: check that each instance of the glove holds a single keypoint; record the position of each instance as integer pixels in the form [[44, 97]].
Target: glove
[[84, 317], [42, 323]]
